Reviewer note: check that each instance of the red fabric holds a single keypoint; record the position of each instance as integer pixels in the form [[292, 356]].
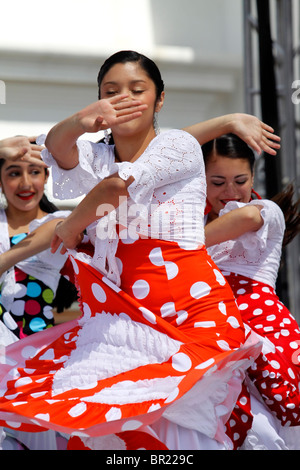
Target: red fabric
[[181, 295]]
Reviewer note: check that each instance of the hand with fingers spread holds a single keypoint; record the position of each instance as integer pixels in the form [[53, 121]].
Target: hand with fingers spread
[[100, 115], [258, 135], [106, 113], [21, 147]]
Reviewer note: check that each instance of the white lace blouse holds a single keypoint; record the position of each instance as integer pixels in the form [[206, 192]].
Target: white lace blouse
[[255, 254], [167, 197]]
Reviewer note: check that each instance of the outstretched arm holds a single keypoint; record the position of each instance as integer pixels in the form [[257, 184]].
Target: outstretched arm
[[38, 240], [61, 140], [258, 135], [233, 224]]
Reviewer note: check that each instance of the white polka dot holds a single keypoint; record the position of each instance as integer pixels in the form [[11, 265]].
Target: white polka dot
[[9, 321], [268, 328], [182, 316], [156, 257], [243, 306], [113, 414], [181, 362], [278, 397], [285, 332], [241, 291], [257, 311], [131, 425], [12, 424], [173, 395], [271, 317], [75, 265], [219, 277], [199, 290], [236, 436], [266, 289], [148, 315], [205, 324], [168, 310], [254, 296], [86, 310], [222, 308], [48, 312], [43, 416], [223, 345], [140, 289], [243, 401], [233, 322], [20, 291], [120, 265], [294, 345], [205, 364], [172, 269], [77, 410], [23, 381], [99, 293], [275, 365], [17, 307], [48, 355], [269, 302], [291, 373]]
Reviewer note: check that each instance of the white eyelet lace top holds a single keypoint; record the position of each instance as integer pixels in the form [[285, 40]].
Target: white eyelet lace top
[[167, 197], [255, 254]]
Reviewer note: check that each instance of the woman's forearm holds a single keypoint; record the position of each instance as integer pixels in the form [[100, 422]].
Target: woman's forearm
[[258, 135], [61, 142], [233, 224], [101, 200], [210, 129], [38, 240]]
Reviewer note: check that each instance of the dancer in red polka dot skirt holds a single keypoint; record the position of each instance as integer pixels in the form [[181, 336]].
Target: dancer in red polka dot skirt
[[159, 355], [246, 242]]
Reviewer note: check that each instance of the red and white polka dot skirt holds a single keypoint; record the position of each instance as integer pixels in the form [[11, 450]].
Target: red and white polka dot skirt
[[276, 371], [135, 352]]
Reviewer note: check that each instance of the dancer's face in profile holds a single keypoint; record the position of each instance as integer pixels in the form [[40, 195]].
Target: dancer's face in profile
[[227, 180]]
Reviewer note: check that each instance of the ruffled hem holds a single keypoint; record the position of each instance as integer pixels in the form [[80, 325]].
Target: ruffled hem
[[161, 377]]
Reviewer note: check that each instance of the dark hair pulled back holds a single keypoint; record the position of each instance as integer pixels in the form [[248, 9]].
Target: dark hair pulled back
[[231, 146], [122, 57]]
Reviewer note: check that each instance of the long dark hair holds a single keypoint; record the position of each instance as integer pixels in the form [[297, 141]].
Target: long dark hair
[[231, 146]]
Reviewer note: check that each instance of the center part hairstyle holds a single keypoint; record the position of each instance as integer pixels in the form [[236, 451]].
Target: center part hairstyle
[[122, 57]]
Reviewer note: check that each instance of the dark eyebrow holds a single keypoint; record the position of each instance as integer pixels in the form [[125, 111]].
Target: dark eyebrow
[[132, 82], [223, 177], [11, 167]]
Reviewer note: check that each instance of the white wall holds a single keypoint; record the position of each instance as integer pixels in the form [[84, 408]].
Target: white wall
[[50, 55]]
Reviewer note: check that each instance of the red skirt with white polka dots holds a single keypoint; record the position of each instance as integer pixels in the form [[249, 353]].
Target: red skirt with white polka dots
[[138, 352], [276, 371]]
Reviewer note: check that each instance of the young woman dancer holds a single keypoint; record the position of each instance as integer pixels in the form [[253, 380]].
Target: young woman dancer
[[28, 289], [246, 242], [153, 338]]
